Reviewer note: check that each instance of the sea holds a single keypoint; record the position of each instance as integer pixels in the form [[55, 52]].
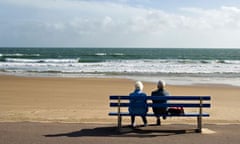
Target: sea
[[177, 66]]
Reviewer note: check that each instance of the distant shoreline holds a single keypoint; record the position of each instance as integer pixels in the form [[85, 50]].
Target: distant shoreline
[[171, 80]]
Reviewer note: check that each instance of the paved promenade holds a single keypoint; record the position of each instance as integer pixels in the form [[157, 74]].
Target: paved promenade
[[50, 133]]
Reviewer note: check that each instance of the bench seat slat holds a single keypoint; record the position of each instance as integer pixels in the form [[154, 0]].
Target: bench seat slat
[[206, 105], [152, 114]]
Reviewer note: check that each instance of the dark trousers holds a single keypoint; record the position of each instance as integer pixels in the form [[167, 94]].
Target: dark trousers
[[159, 111], [143, 119]]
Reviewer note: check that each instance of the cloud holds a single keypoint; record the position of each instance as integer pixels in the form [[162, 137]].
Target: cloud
[[116, 24], [45, 3], [224, 17]]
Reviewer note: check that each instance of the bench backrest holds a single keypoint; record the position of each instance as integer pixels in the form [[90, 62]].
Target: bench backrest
[[172, 101]]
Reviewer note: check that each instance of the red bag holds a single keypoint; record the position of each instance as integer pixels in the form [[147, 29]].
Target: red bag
[[175, 110]]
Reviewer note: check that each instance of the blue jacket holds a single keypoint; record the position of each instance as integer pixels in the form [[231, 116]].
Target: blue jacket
[[138, 103]]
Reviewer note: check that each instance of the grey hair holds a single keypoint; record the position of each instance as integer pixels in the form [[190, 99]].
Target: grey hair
[[139, 85], [162, 83]]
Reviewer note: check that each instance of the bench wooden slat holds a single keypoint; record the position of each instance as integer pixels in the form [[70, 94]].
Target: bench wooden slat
[[180, 105], [191, 98], [205, 98], [153, 115], [122, 104]]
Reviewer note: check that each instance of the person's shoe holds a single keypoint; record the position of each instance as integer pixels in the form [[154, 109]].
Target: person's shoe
[[133, 125], [158, 122], [145, 124], [164, 117]]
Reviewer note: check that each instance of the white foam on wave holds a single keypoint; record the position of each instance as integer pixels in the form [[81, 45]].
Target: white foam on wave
[[118, 54], [131, 66], [21, 60], [61, 60], [19, 55], [101, 54], [232, 61], [126, 66], [146, 70], [16, 54]]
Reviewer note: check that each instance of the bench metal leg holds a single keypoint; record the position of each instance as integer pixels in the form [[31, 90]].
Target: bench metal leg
[[119, 115], [119, 122], [199, 118], [199, 124]]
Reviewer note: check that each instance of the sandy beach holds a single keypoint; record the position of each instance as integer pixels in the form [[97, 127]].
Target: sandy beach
[[75, 110], [86, 99]]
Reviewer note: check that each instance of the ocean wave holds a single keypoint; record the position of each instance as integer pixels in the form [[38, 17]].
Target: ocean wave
[[205, 61], [189, 61], [228, 61], [130, 61], [120, 66], [118, 54], [19, 55], [100, 54], [184, 61], [89, 61], [109, 54], [20, 60], [16, 54]]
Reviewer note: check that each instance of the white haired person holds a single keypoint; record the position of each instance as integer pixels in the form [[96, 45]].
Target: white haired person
[[160, 92], [138, 104]]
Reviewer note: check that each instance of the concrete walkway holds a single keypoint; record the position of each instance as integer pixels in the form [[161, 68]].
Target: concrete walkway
[[62, 133]]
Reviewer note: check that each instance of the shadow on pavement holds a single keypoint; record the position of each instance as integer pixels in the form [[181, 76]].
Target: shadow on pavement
[[124, 132]]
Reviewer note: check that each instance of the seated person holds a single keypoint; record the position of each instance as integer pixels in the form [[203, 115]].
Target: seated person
[[160, 92], [138, 104]]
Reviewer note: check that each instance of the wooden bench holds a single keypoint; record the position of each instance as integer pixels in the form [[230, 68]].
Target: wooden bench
[[196, 102]]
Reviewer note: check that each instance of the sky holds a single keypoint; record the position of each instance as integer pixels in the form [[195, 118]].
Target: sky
[[120, 23]]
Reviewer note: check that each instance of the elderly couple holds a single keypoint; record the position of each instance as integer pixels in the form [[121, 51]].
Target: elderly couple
[[139, 106]]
